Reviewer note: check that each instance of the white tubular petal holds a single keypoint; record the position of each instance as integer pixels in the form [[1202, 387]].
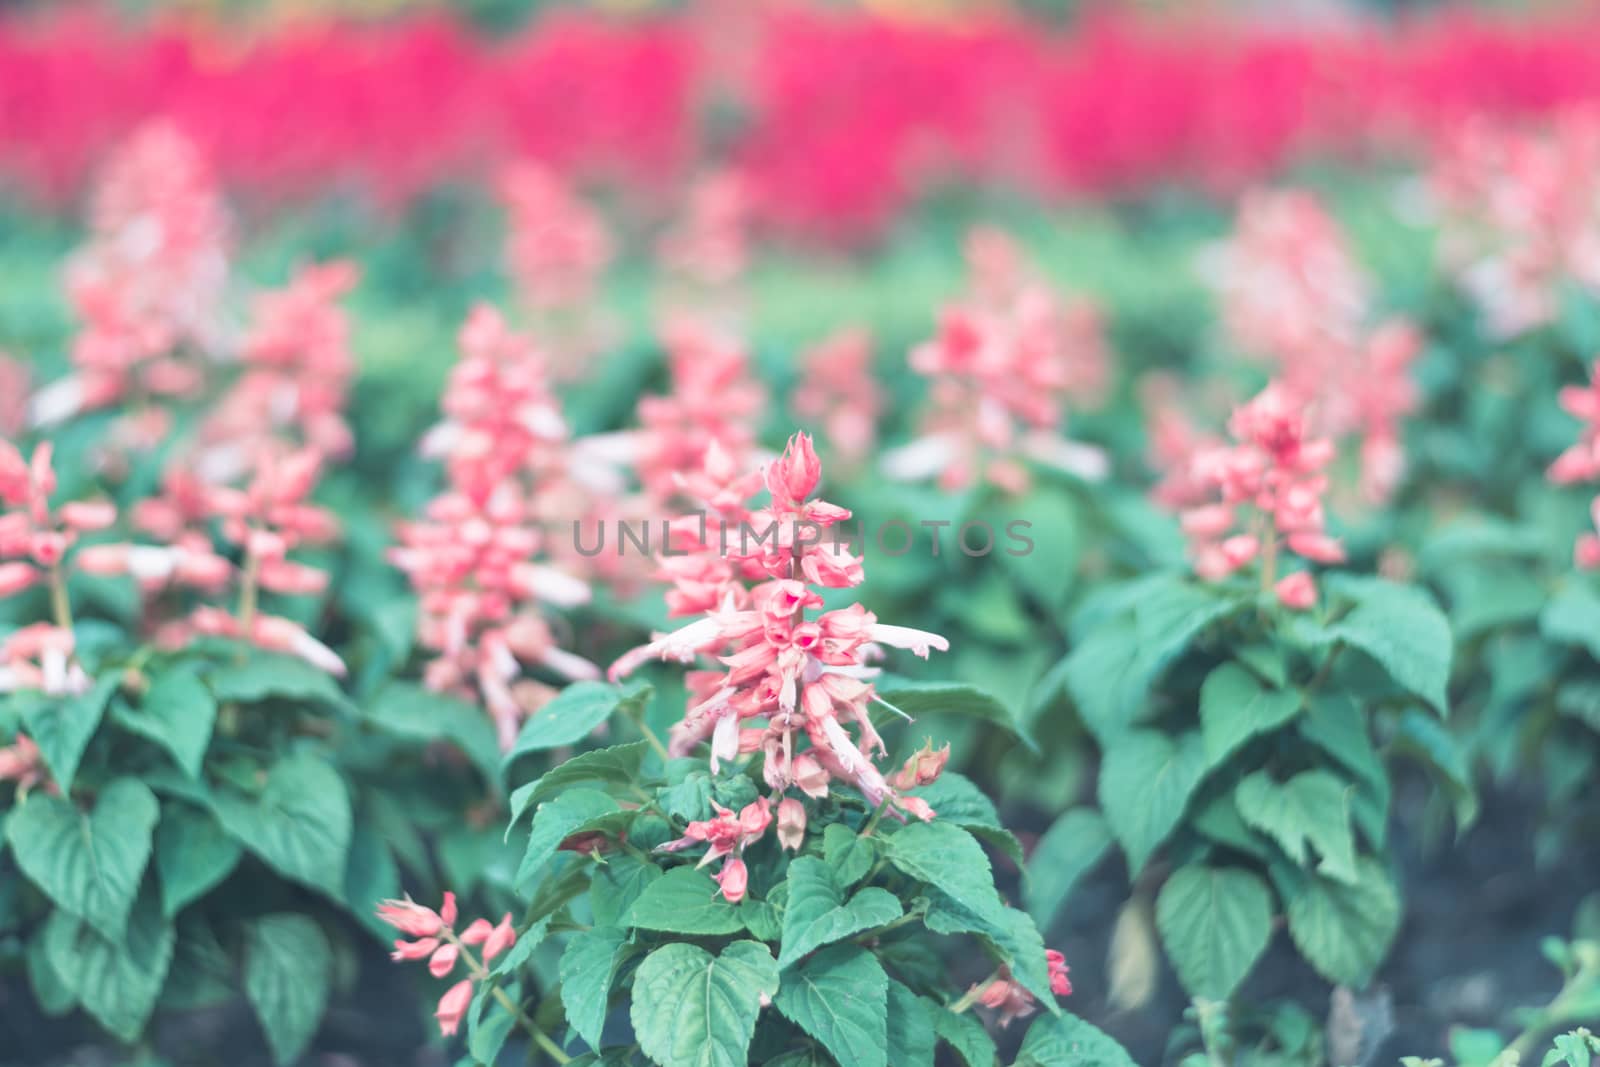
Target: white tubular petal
[[680, 645], [542, 420], [570, 665], [440, 440], [724, 740], [918, 641], [553, 586], [149, 563], [844, 750], [10, 680], [1084, 461], [922, 458], [55, 403], [318, 654], [619, 449], [53, 662]]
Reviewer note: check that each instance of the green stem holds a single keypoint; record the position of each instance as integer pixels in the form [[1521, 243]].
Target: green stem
[[480, 973], [877, 816], [60, 603]]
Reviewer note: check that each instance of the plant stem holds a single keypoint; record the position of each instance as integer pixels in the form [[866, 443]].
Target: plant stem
[[480, 973], [60, 603], [877, 816]]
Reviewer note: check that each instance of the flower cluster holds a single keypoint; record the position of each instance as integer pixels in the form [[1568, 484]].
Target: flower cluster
[[474, 558], [35, 538], [1581, 462], [1010, 1000], [296, 370], [1294, 295], [1005, 363], [1520, 216], [558, 245], [433, 937], [714, 400], [1266, 496], [783, 675], [148, 285]]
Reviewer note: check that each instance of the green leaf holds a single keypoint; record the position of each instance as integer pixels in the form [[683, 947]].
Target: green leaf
[[1235, 706], [1068, 1041], [88, 864], [1146, 782], [62, 728], [1336, 724], [849, 854], [299, 826], [1573, 617], [488, 1023], [692, 1009], [573, 715], [288, 967], [178, 712], [267, 676], [917, 699], [818, 914], [1215, 923], [1403, 630], [1312, 808], [840, 997], [910, 1034], [588, 966], [1072, 847], [685, 901], [616, 884], [615, 768], [1430, 742], [116, 980], [966, 1035], [418, 714], [1048, 572], [954, 798], [556, 820], [947, 858], [1344, 930], [193, 854]]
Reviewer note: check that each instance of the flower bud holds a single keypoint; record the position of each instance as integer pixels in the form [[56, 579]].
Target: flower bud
[[791, 823], [453, 1006], [734, 879]]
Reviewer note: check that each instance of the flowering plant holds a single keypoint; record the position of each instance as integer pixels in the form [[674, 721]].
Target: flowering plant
[[755, 888]]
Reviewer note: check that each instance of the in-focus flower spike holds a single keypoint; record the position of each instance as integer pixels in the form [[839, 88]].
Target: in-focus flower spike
[[434, 938], [783, 679]]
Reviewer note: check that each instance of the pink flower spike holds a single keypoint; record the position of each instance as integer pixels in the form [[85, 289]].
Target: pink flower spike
[[453, 1006]]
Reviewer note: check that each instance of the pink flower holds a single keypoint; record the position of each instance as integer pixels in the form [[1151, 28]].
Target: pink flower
[[22, 763], [410, 918], [453, 1006], [733, 879], [1297, 591], [1060, 984], [443, 960], [923, 768], [1008, 998], [839, 393], [502, 937]]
